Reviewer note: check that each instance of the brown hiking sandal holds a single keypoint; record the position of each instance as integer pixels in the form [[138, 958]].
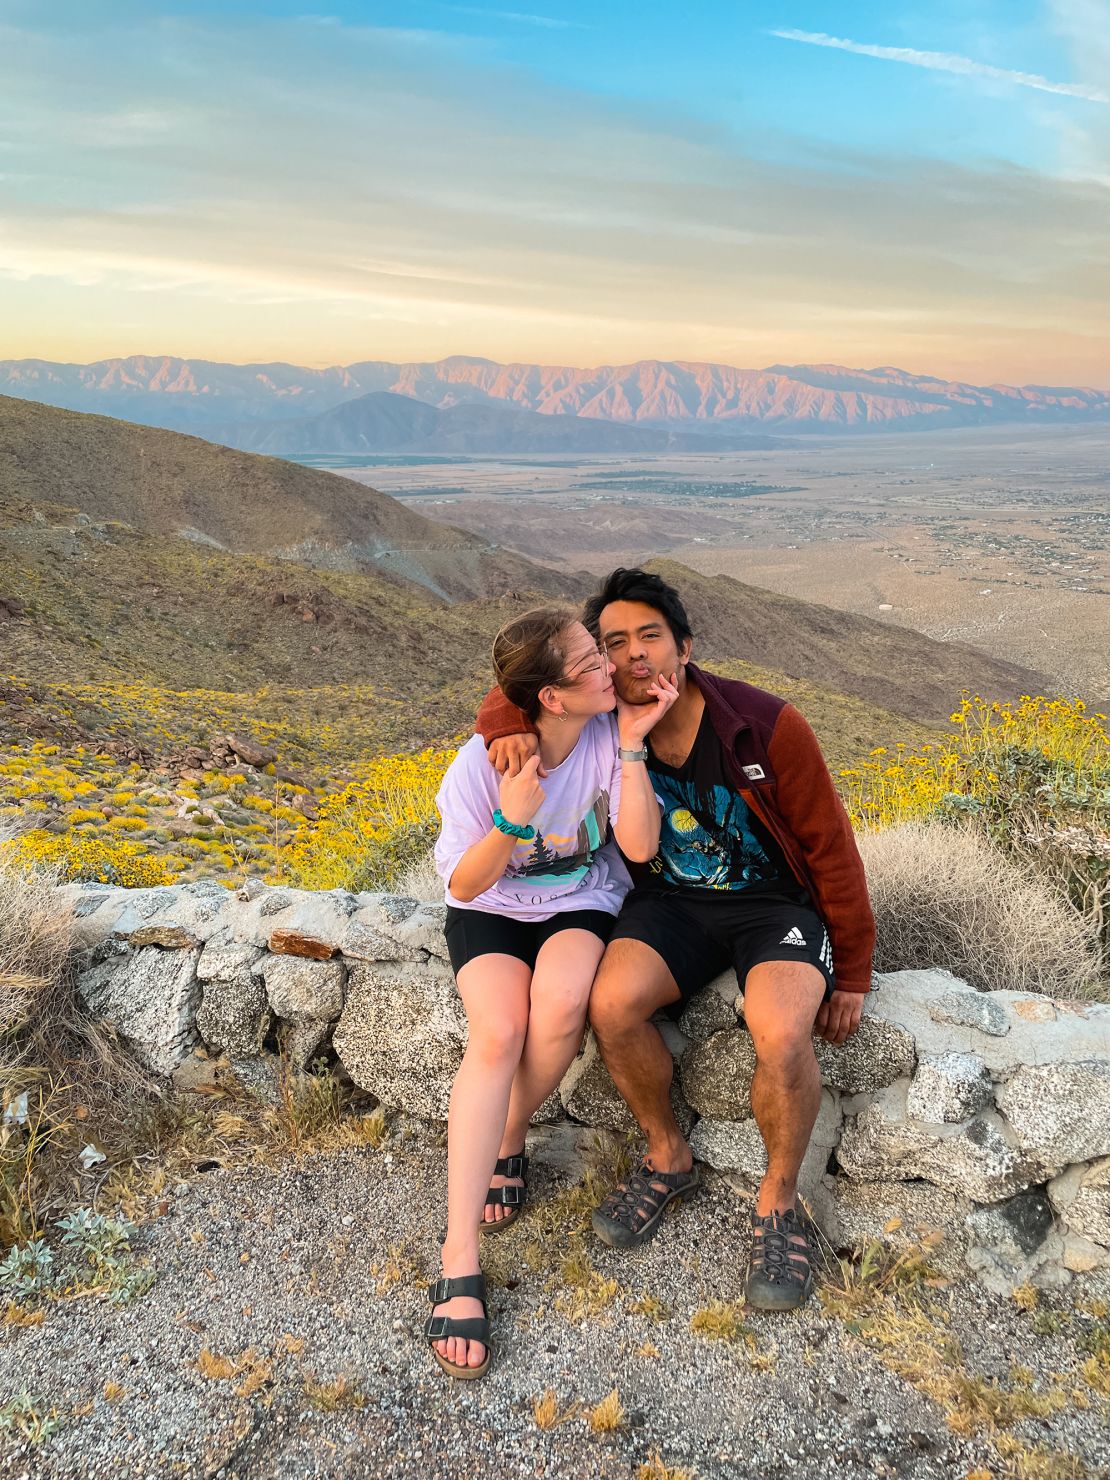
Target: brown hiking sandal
[[632, 1213], [780, 1275]]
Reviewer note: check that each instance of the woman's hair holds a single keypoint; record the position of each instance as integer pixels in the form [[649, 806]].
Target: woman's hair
[[529, 653]]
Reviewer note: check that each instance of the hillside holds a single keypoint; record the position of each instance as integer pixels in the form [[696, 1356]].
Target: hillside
[[385, 422], [163, 390], [80, 470]]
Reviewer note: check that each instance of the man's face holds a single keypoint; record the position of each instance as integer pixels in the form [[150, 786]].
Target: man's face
[[640, 645]]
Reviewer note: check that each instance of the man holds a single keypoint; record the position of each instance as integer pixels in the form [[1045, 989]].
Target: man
[[757, 869]]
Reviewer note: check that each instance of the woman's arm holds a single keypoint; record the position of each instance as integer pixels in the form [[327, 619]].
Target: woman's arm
[[637, 824], [484, 862], [638, 815]]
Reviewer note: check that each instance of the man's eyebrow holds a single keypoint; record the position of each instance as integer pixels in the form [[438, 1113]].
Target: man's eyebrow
[[620, 631]]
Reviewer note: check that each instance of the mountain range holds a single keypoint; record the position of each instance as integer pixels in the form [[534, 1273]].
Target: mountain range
[[706, 400]]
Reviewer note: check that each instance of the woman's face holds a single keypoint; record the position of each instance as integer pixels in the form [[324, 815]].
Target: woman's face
[[587, 688]]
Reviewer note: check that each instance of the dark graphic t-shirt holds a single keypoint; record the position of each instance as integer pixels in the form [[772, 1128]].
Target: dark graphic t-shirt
[[709, 839]]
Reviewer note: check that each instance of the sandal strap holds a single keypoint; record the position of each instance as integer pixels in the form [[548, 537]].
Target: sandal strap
[[639, 1197], [470, 1328], [508, 1197], [775, 1253], [463, 1284], [511, 1166]]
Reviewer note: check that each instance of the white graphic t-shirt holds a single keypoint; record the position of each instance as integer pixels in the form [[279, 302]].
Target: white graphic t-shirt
[[572, 863]]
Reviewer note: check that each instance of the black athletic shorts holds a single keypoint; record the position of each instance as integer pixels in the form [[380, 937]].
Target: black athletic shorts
[[698, 939], [471, 933]]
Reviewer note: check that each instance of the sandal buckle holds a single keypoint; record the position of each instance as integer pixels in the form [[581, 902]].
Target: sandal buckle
[[439, 1292]]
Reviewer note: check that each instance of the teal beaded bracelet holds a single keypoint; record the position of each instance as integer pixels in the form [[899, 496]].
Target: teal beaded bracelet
[[512, 829]]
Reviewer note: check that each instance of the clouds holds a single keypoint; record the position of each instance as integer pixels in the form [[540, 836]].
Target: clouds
[[288, 189], [942, 61]]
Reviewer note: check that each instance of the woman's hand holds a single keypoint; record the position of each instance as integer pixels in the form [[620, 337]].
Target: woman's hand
[[521, 796], [636, 721]]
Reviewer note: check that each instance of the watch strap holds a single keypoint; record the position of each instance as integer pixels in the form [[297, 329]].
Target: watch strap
[[632, 755]]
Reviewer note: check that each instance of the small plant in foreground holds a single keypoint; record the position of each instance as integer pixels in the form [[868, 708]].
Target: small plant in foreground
[[21, 1417], [547, 1411], [105, 1245], [721, 1320], [608, 1415], [27, 1272], [329, 1397], [654, 1468]]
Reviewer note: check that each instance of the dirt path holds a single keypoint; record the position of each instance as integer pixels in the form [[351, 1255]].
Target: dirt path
[[279, 1339]]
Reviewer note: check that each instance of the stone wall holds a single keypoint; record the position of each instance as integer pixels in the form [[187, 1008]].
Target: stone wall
[[986, 1116]]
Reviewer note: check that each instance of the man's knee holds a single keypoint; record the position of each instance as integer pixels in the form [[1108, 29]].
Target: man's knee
[[632, 984]]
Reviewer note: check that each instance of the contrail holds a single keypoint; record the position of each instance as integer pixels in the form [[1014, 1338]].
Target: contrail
[[945, 61]]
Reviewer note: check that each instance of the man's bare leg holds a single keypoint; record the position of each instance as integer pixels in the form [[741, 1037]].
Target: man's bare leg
[[632, 983], [781, 999]]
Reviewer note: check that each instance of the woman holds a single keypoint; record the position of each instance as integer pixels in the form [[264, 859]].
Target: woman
[[533, 881]]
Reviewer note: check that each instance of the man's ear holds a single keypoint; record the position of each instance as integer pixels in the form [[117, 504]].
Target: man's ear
[[685, 649]]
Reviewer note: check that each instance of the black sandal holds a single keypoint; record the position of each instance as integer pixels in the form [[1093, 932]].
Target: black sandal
[[470, 1328], [780, 1275], [631, 1215], [508, 1197]]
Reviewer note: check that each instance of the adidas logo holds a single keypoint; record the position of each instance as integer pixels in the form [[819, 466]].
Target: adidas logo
[[793, 937]]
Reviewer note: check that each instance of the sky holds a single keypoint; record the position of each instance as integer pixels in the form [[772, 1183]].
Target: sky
[[917, 184]]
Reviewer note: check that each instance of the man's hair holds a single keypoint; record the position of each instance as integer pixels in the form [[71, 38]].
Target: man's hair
[[529, 653], [643, 586]]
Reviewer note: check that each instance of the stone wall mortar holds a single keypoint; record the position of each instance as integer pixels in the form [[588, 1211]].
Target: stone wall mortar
[[991, 1112]]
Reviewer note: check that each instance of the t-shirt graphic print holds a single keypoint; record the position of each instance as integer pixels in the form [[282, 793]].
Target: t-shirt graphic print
[[547, 864], [705, 838]]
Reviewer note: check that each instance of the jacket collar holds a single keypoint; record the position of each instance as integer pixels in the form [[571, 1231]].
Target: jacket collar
[[722, 716]]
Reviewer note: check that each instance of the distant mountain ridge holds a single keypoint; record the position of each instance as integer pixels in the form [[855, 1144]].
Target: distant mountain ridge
[[194, 395], [383, 421]]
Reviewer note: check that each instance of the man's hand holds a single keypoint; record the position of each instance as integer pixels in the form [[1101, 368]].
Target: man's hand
[[522, 795], [508, 754], [838, 1018]]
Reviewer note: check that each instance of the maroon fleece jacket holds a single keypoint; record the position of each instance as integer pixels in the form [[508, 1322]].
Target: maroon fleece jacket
[[777, 767]]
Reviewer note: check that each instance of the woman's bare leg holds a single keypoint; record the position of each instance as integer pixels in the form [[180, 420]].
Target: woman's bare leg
[[494, 990], [561, 985]]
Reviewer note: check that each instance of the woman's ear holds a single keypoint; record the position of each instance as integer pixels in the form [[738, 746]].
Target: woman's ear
[[550, 700]]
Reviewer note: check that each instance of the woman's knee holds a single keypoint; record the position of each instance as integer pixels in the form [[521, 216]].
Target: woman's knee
[[560, 1011], [497, 1040]]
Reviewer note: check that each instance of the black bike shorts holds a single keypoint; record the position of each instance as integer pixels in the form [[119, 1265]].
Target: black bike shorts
[[471, 933]]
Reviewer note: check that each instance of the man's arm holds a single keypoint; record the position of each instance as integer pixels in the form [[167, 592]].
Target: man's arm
[[814, 813]]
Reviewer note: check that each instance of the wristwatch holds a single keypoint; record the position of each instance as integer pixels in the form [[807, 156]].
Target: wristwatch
[[632, 755]]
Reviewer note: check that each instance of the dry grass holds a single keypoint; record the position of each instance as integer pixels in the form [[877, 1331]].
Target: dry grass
[[946, 896], [654, 1468], [721, 1320], [608, 1415], [36, 942], [330, 1397], [894, 1305], [549, 1413]]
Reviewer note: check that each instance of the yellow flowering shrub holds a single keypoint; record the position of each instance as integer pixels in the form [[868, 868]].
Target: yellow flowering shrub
[[383, 819], [90, 859], [1048, 751]]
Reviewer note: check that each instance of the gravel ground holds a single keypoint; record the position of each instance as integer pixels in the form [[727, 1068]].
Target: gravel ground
[[316, 1265]]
